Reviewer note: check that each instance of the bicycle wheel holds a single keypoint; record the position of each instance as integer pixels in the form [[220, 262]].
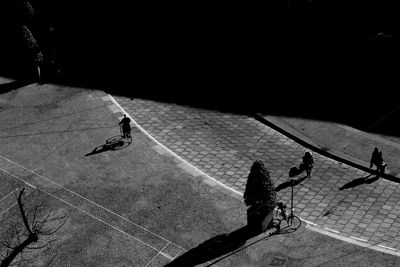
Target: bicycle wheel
[[294, 222]]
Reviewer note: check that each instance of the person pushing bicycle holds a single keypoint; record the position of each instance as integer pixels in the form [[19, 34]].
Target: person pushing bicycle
[[125, 125]]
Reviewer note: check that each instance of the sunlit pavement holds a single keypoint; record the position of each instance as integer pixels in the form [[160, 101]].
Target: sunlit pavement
[[225, 145], [144, 201]]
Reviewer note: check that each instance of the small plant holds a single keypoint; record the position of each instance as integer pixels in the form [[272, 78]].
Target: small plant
[[260, 189]]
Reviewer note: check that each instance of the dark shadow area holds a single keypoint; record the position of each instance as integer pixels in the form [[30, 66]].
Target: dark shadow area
[[359, 181], [7, 87], [310, 59], [289, 184], [213, 248], [113, 143]]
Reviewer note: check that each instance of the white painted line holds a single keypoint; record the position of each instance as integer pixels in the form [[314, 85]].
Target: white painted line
[[87, 213], [22, 180], [175, 155], [309, 223], [4, 211], [7, 196], [382, 246], [335, 231], [88, 200], [354, 241], [105, 98], [160, 150], [113, 108], [167, 256], [157, 255], [359, 239], [188, 168]]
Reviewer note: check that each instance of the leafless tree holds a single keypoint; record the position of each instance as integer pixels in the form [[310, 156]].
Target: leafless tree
[[38, 224]]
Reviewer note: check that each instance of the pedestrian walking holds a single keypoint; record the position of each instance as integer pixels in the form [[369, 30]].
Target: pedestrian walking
[[308, 163], [377, 160], [126, 127]]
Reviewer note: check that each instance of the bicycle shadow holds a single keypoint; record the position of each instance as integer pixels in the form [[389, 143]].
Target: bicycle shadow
[[214, 247], [360, 181], [112, 143]]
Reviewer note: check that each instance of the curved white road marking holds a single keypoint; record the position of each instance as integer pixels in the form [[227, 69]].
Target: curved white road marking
[[310, 225]]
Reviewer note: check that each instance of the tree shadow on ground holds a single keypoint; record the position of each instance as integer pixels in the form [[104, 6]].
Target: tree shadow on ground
[[359, 181], [289, 184], [214, 247], [113, 143], [7, 87]]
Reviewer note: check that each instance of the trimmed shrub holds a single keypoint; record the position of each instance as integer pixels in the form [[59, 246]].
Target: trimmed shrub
[[260, 189]]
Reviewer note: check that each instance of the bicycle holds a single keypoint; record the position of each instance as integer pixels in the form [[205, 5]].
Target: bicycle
[[280, 214], [126, 134]]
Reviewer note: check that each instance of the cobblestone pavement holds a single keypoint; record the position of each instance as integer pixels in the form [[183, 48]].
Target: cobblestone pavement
[[337, 197]]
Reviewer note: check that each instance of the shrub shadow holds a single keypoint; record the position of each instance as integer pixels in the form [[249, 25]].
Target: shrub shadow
[[214, 247]]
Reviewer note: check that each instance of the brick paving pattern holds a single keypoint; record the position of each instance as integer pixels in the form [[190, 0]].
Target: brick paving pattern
[[225, 146]]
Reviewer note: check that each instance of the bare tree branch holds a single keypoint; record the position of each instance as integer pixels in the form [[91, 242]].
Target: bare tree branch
[[20, 205], [43, 246]]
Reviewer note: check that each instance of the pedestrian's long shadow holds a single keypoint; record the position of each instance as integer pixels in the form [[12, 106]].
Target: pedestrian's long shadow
[[113, 143], [360, 181], [214, 247], [289, 184]]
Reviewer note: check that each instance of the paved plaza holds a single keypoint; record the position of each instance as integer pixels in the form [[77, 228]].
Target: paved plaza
[[224, 146], [176, 190]]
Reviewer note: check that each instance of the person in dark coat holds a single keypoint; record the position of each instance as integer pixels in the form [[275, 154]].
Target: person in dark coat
[[308, 163], [377, 160]]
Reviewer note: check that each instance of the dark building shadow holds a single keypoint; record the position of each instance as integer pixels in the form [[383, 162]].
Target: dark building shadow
[[359, 181], [113, 143], [213, 248], [7, 87], [224, 55], [289, 184]]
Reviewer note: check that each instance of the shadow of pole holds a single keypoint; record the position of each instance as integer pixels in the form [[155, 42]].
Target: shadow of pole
[[289, 184]]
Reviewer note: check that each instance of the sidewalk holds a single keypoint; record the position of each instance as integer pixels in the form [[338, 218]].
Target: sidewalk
[[341, 197]]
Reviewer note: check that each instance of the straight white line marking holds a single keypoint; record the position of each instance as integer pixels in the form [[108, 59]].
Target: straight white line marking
[[172, 153], [359, 239], [335, 231], [7, 196], [387, 247], [90, 201], [87, 213], [157, 255], [310, 223], [4, 211]]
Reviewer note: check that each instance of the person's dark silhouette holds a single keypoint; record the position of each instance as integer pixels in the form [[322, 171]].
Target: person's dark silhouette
[[308, 163], [377, 160], [126, 127]]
